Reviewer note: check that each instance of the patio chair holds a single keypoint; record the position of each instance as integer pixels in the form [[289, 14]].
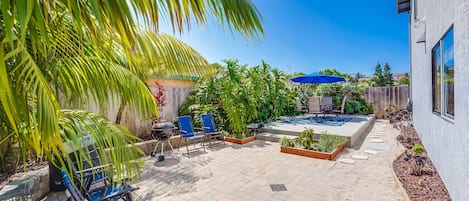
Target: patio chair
[[326, 104], [187, 132], [300, 107], [209, 128], [313, 105], [102, 193], [92, 171], [340, 110]]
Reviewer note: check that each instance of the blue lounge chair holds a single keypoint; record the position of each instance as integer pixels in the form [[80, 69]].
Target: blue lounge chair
[[209, 128], [102, 193], [187, 132]]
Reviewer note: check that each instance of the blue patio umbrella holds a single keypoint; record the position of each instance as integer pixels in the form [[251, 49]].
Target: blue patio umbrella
[[316, 78]]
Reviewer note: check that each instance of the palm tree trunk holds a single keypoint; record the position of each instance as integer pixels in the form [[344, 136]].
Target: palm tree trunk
[[120, 112]]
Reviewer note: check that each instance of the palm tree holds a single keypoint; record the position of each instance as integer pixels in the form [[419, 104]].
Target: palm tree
[[55, 52]]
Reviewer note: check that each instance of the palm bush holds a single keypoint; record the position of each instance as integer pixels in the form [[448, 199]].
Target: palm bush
[[64, 54], [239, 95]]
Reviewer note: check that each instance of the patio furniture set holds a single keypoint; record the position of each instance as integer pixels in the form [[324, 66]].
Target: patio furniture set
[[322, 105]]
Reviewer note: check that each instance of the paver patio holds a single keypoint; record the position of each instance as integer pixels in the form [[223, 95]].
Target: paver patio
[[244, 172]]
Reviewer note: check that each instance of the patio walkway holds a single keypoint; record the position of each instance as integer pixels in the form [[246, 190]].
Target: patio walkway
[[235, 172]]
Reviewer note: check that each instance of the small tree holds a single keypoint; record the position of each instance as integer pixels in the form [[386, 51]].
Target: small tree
[[378, 78], [335, 72], [358, 76], [404, 80], [387, 75], [160, 99]]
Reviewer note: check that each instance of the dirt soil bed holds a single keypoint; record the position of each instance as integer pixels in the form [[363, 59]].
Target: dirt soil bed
[[427, 186]]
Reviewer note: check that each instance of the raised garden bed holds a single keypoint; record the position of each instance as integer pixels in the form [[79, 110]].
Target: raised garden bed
[[311, 153], [240, 141], [309, 144]]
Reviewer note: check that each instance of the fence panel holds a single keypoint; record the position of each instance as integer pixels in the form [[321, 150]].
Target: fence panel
[[391, 98]]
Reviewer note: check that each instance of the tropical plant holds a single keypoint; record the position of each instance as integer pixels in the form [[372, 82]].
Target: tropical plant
[[64, 54], [239, 95], [287, 142], [330, 142], [306, 138]]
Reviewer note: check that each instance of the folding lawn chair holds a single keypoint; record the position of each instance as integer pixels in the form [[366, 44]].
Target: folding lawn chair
[[187, 132], [209, 128]]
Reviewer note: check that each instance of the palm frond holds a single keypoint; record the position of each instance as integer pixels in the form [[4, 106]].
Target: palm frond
[[114, 143]]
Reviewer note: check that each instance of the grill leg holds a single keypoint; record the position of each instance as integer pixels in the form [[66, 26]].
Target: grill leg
[[170, 145], [156, 147], [162, 146]]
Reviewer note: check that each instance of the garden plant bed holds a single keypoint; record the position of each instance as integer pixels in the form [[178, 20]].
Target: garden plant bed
[[312, 153], [240, 141], [428, 185]]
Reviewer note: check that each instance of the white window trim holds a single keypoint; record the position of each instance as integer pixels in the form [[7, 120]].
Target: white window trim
[[443, 97]]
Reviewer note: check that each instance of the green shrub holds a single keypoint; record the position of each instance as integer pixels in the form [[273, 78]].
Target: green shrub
[[358, 107], [329, 142], [287, 142], [238, 95], [306, 138], [418, 148]]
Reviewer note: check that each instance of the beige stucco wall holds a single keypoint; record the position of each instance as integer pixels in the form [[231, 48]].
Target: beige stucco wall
[[176, 92]]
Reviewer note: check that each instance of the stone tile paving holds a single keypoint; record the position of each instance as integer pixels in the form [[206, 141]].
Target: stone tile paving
[[245, 172], [236, 172]]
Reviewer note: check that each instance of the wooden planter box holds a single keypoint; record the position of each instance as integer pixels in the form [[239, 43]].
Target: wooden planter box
[[311, 153], [240, 141]]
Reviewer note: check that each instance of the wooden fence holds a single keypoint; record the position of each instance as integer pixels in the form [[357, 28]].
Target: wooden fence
[[390, 98]]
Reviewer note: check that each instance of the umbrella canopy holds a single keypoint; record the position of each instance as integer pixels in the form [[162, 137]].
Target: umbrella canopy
[[317, 79]]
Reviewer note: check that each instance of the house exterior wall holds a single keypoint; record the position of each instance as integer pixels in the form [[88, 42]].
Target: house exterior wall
[[446, 140]]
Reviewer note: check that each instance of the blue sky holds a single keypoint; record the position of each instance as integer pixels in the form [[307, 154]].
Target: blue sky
[[310, 35]]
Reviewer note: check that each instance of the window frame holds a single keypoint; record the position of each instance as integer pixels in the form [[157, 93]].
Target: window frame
[[443, 110]]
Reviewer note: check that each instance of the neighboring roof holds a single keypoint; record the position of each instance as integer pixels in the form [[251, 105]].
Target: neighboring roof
[[402, 6], [176, 77]]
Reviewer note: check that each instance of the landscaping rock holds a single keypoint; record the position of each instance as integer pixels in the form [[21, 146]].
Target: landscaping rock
[[369, 151], [346, 160], [360, 157]]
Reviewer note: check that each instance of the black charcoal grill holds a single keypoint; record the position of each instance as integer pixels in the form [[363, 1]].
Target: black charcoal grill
[[162, 132]]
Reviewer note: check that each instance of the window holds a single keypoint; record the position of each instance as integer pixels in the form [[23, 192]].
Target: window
[[436, 78], [443, 75]]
